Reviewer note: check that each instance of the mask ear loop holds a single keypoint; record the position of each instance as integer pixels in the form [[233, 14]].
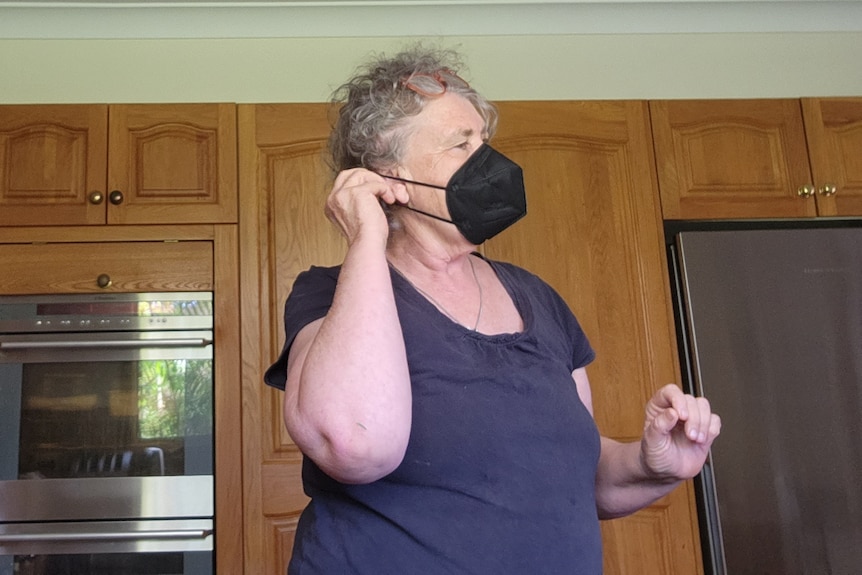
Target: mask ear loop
[[411, 208], [406, 181]]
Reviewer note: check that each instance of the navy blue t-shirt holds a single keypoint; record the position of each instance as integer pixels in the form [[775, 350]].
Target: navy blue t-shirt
[[499, 472]]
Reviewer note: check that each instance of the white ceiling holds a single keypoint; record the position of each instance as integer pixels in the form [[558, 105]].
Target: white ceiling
[[377, 18]]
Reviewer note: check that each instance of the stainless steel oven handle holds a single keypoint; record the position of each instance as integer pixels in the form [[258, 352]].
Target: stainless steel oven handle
[[125, 344], [106, 535]]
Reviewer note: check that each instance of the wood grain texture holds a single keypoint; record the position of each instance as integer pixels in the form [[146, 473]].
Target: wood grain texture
[[227, 402], [731, 158], [169, 163], [834, 130], [51, 158], [131, 267], [283, 184], [173, 163]]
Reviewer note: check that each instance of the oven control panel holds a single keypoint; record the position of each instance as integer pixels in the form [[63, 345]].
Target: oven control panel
[[106, 312]]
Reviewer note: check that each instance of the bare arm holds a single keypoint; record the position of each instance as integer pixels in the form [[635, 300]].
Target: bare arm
[[348, 402], [678, 431]]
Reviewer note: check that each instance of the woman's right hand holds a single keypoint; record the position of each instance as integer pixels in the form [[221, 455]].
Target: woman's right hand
[[354, 203]]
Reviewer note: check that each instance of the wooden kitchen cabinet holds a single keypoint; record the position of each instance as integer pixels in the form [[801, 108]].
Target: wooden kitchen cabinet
[[593, 231], [758, 158], [117, 164], [283, 231], [833, 127], [97, 267]]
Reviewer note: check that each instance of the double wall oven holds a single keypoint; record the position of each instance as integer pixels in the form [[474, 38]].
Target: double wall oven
[[106, 434]]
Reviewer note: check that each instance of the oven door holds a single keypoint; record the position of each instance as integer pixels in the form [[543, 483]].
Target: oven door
[[175, 547], [106, 426]]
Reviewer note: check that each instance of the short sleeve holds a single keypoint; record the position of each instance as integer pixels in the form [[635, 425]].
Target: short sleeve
[[553, 317], [309, 300], [583, 353]]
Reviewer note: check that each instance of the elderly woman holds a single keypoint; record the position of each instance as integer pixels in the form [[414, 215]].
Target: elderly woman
[[441, 399]]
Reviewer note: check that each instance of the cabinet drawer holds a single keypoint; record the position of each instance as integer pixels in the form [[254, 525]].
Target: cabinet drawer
[[106, 267]]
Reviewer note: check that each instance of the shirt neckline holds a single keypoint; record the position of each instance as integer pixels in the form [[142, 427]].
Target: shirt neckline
[[521, 305]]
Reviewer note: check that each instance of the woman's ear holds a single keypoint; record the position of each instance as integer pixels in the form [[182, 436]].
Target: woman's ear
[[394, 170]]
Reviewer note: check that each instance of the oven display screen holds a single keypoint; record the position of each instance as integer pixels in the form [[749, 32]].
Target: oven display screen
[[150, 308]]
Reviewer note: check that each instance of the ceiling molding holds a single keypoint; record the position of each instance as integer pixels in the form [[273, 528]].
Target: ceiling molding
[[33, 19]]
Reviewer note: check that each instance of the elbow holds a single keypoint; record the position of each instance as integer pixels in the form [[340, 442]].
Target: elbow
[[607, 508], [354, 455], [607, 513], [364, 463]]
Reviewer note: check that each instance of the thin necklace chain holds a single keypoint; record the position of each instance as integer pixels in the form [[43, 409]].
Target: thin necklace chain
[[439, 305]]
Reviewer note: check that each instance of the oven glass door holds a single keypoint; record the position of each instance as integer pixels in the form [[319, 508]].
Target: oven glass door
[[106, 425], [185, 563]]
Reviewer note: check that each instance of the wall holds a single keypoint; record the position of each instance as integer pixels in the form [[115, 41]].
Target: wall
[[297, 51], [503, 67]]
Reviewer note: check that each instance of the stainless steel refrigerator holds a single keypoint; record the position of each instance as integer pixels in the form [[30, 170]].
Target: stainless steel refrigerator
[[770, 326]]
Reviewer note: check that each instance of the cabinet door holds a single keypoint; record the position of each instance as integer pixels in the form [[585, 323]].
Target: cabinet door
[[155, 164], [732, 159], [52, 157], [172, 164], [284, 183], [834, 130], [593, 231]]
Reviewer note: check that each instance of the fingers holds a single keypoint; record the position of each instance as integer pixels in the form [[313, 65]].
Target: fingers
[[678, 433], [362, 180], [700, 424], [397, 193], [661, 426], [355, 199]]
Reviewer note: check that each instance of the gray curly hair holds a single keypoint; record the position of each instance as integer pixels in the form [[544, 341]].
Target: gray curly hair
[[373, 106]]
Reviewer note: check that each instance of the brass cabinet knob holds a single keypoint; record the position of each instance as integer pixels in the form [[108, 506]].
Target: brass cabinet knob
[[104, 281], [116, 197], [828, 190], [806, 191], [96, 198]]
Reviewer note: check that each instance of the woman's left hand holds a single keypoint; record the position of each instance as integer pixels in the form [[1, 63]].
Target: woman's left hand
[[678, 432]]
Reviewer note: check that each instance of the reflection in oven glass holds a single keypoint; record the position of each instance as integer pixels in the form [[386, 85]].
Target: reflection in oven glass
[[103, 564], [121, 418]]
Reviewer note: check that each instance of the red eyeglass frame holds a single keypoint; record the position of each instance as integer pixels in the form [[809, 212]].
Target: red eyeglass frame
[[437, 77]]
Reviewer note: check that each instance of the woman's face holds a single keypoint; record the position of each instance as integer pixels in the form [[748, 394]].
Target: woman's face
[[439, 141]]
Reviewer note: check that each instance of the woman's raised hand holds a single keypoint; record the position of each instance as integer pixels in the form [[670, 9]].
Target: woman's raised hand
[[354, 203]]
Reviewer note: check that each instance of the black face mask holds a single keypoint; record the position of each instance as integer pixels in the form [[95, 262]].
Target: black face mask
[[484, 197]]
